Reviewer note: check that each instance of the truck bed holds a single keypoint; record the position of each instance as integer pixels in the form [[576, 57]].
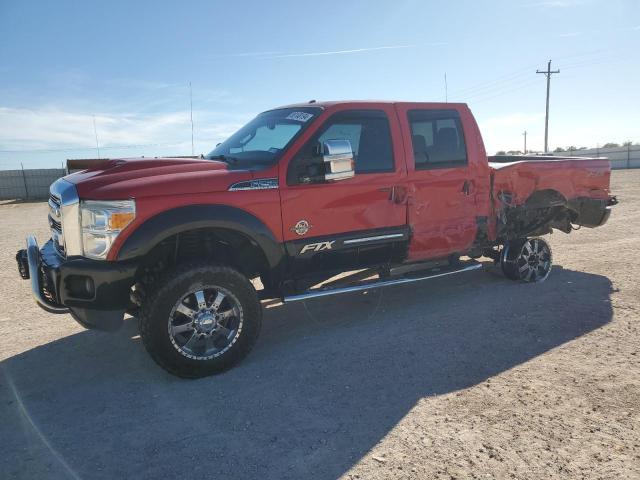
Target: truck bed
[[541, 158], [572, 177]]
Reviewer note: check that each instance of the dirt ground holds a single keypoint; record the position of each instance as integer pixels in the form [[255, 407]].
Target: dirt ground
[[471, 376]]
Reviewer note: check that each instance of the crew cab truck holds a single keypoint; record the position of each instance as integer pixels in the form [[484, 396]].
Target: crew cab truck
[[393, 192]]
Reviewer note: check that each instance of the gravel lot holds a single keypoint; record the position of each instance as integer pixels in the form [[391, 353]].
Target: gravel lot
[[471, 376]]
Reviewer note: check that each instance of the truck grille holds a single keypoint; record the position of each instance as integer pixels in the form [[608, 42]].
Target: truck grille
[[57, 226], [55, 223], [54, 200]]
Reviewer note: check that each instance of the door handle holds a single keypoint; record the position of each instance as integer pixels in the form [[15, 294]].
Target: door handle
[[390, 190], [466, 187], [396, 194]]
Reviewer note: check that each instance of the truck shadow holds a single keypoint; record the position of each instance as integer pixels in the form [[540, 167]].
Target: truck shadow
[[326, 382]]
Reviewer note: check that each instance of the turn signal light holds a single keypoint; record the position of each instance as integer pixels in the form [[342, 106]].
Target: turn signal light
[[119, 220]]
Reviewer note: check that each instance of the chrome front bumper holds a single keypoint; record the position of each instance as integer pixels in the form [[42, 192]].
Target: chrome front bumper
[[95, 293], [33, 264]]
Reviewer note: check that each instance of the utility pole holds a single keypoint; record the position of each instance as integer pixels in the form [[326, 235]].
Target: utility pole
[[525, 142], [548, 72]]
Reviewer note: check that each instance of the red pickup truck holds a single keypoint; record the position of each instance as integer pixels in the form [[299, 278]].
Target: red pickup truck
[[392, 192]]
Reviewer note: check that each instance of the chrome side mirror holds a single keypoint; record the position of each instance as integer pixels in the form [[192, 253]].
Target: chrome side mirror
[[338, 160]]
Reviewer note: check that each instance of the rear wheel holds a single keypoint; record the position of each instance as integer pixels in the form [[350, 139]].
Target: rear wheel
[[527, 260], [200, 320]]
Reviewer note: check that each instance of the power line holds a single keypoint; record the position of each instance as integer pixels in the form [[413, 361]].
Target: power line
[[547, 74], [488, 87], [512, 85], [80, 149], [501, 92], [491, 84]]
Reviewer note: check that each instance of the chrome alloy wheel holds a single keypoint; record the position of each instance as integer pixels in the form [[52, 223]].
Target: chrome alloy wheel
[[205, 323], [533, 262]]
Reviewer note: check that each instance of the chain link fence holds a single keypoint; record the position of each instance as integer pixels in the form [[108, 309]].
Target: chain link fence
[[29, 184]]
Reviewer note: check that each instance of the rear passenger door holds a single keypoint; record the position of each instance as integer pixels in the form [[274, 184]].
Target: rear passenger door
[[351, 222], [441, 187]]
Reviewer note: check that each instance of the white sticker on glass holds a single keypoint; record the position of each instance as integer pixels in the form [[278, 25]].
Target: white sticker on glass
[[299, 116]]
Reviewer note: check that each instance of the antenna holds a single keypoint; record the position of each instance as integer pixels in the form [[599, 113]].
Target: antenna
[[95, 132], [446, 94], [191, 107]]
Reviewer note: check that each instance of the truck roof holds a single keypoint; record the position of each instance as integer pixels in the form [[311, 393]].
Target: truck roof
[[332, 103]]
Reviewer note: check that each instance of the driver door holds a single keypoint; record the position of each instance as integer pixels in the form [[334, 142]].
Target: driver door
[[355, 221]]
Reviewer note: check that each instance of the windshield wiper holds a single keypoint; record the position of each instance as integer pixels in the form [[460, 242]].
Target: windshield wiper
[[225, 158]]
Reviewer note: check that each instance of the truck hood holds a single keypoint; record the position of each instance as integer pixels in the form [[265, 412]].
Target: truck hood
[[136, 178]]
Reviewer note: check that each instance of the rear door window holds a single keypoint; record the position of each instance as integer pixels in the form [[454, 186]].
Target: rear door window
[[437, 138]]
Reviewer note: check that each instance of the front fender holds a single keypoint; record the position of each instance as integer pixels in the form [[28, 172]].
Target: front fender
[[192, 217]]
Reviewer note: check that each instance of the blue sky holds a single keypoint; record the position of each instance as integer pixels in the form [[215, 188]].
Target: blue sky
[[129, 64]]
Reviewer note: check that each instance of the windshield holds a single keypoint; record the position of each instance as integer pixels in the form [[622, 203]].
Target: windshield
[[261, 141]]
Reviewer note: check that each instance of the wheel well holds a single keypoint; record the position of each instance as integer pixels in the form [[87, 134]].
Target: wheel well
[[542, 211], [545, 199], [220, 245]]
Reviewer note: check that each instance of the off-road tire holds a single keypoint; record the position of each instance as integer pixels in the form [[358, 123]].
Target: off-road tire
[[160, 300]]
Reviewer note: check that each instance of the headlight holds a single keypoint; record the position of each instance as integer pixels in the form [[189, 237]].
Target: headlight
[[102, 222]]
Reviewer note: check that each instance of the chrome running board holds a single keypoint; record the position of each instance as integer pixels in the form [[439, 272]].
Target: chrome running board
[[434, 273]]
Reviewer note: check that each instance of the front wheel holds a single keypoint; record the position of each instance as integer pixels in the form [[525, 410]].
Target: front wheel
[[527, 260], [200, 320]]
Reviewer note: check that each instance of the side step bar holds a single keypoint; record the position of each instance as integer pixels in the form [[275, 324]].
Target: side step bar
[[435, 273]]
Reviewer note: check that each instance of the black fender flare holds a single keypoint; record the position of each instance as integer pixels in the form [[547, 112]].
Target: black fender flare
[[192, 217]]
